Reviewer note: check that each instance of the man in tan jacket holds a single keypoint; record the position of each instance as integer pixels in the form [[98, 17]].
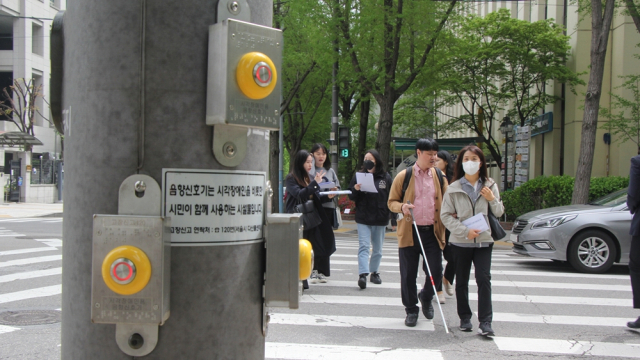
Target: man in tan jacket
[[424, 191]]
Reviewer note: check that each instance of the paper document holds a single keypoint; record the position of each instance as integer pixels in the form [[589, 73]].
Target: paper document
[[476, 222], [366, 182], [336, 192], [327, 185]]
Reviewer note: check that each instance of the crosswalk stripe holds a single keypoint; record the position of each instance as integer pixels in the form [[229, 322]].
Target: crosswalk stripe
[[31, 293], [51, 242], [26, 251], [348, 321], [552, 346], [559, 319], [498, 283], [7, 329], [532, 299], [341, 352], [30, 275], [28, 261], [559, 274], [12, 235]]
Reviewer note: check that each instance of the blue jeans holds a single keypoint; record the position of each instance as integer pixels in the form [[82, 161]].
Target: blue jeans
[[370, 235]]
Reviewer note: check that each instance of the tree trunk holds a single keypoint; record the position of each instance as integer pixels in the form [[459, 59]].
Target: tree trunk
[[362, 133], [385, 124], [600, 25], [274, 152]]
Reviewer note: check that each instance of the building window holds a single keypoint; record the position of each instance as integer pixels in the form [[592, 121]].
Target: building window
[[37, 42]]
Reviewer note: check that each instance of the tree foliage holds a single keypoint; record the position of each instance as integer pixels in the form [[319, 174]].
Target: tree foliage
[[496, 64], [624, 114]]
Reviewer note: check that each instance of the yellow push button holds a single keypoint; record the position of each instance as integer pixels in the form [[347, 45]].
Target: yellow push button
[[256, 75], [306, 259], [126, 270]]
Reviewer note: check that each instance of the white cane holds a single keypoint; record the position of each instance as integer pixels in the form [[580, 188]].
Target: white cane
[[435, 292]]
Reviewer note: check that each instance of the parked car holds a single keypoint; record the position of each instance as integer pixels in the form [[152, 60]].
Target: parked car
[[591, 237]]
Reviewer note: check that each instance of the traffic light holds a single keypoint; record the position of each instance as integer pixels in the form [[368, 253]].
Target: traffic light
[[344, 140]]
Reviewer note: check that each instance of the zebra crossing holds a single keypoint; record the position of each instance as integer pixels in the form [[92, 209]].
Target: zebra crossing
[[25, 220], [540, 308]]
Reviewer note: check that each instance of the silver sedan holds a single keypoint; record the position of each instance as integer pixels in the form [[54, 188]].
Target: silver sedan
[[591, 237]]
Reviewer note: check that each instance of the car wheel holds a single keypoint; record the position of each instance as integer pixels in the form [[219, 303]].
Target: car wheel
[[592, 251]]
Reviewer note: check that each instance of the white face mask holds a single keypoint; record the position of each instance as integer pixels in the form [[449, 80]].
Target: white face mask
[[471, 167]]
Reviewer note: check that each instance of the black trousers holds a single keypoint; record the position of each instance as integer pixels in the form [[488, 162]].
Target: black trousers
[[634, 270], [450, 269], [322, 264], [410, 260], [481, 259]]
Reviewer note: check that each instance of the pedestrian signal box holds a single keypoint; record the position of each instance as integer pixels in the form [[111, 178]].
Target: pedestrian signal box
[[344, 141], [244, 78]]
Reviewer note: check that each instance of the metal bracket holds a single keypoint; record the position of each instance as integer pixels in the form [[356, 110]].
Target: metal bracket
[[265, 319], [233, 9], [138, 195], [136, 339], [229, 144]]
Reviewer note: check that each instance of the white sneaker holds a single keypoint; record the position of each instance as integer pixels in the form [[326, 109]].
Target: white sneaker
[[448, 287], [314, 277], [322, 278], [441, 297]]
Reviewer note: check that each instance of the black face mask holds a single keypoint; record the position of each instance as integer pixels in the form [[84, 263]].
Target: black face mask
[[368, 164]]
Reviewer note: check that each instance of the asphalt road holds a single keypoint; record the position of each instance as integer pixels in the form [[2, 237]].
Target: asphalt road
[[541, 309]]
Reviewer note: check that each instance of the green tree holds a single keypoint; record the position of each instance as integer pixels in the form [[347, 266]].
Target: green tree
[[601, 18], [624, 114], [494, 62], [388, 42]]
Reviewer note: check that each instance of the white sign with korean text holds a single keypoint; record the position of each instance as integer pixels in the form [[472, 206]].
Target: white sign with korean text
[[211, 206]]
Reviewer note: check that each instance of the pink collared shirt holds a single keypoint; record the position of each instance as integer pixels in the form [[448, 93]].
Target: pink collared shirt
[[425, 193]]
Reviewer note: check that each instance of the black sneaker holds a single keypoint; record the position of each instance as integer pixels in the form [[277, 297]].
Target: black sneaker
[[634, 324], [411, 320], [465, 325], [485, 329], [427, 310], [362, 281], [375, 278]]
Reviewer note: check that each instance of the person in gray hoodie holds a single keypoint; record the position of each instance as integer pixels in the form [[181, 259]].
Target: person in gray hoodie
[[472, 192]]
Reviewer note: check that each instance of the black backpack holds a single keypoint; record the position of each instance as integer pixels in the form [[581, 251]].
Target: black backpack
[[407, 178]]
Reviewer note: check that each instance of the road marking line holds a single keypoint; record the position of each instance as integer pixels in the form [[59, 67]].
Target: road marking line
[[30, 275], [499, 283], [31, 294], [340, 352], [28, 261], [26, 251], [349, 321], [552, 346], [12, 235], [51, 242], [7, 329], [533, 299], [559, 319], [559, 274]]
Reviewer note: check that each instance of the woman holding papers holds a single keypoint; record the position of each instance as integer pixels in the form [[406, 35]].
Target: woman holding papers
[[322, 163], [300, 188], [471, 196], [370, 190]]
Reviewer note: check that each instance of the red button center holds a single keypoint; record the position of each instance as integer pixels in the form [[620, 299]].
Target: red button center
[[122, 271]]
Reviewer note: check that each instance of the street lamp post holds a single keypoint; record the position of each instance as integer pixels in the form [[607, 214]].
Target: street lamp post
[[506, 128]]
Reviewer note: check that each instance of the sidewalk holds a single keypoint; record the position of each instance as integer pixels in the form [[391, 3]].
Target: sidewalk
[[29, 210], [349, 227]]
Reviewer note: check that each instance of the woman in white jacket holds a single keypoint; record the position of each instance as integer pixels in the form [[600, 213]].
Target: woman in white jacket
[[472, 192]]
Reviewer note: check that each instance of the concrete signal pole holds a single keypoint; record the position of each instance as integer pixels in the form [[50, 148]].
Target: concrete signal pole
[[134, 102]]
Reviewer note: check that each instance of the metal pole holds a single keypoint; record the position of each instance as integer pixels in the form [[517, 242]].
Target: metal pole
[[216, 291], [334, 118], [506, 158], [281, 165]]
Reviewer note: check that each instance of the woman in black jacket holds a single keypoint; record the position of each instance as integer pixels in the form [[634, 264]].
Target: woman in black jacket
[[372, 216], [300, 188]]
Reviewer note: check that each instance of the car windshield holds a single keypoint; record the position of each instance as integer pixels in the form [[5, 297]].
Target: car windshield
[[613, 199]]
